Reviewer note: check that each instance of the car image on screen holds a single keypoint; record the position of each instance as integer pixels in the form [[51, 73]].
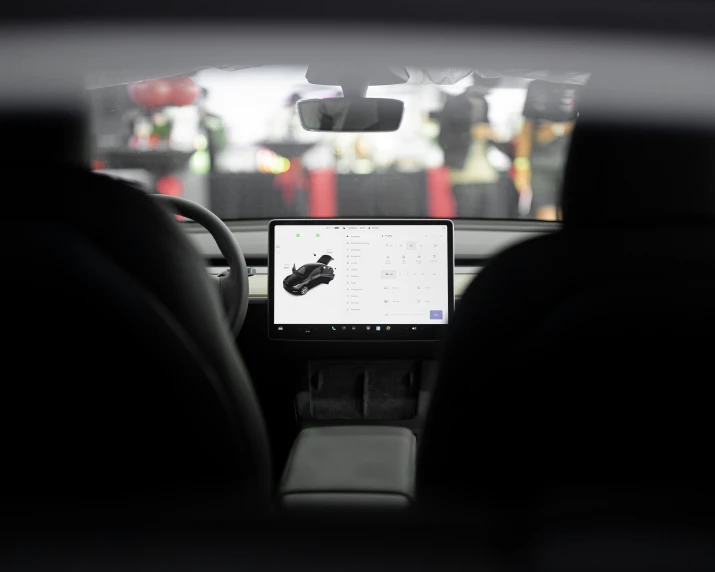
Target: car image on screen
[[309, 275]]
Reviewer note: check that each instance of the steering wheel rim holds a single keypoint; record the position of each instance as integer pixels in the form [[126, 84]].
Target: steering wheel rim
[[233, 286]]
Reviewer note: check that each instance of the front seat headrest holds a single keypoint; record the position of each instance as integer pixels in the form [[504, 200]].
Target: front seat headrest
[[620, 173], [61, 136]]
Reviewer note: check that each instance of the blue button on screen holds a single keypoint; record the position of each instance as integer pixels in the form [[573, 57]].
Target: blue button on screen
[[435, 314]]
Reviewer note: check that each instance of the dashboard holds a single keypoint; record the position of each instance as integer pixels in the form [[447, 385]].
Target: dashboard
[[475, 242]]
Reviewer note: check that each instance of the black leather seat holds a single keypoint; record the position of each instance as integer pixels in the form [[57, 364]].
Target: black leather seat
[[129, 396], [572, 385]]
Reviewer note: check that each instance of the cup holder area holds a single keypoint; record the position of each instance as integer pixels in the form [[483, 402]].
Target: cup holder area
[[385, 390]]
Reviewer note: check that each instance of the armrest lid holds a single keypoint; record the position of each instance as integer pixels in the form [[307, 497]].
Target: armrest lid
[[353, 459]]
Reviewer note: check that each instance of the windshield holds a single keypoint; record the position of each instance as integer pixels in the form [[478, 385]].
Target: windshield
[[302, 270], [467, 147]]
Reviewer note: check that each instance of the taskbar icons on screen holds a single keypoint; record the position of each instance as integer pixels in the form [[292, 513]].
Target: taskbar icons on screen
[[358, 331]]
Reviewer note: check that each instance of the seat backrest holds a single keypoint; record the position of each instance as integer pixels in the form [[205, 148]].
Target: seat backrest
[[571, 387], [128, 392]]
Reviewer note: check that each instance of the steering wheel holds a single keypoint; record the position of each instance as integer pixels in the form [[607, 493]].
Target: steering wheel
[[233, 285]]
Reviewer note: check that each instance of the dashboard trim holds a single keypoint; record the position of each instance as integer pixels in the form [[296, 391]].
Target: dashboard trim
[[474, 240]]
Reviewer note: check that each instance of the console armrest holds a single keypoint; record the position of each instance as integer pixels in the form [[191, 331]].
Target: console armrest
[[356, 467]]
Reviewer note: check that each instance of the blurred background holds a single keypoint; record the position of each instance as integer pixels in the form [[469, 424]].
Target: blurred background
[[231, 139]]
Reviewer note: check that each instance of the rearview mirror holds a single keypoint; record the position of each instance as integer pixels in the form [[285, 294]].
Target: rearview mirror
[[350, 114]]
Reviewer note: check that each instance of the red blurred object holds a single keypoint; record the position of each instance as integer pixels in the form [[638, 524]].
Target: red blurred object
[[440, 200], [184, 91], [291, 181], [98, 165], [170, 185], [152, 93], [322, 194]]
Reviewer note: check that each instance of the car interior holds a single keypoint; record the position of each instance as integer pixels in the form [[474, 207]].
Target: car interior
[[321, 391]]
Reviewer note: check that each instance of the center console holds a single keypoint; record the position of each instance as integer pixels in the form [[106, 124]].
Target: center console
[[353, 285]]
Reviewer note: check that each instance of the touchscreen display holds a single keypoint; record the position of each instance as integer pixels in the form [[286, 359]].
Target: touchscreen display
[[344, 279]]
